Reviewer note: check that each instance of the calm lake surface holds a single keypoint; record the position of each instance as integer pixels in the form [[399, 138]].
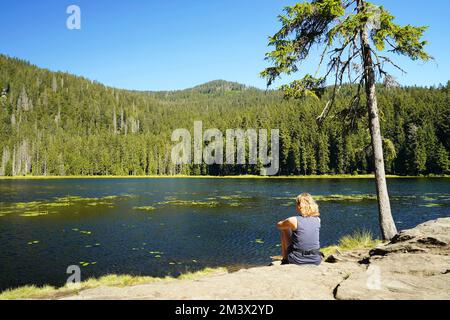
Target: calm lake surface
[[161, 227]]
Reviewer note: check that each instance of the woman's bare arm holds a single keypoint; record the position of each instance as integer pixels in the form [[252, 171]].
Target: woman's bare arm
[[288, 224]]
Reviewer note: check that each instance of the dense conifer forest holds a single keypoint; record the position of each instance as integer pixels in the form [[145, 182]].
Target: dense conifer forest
[[54, 123]]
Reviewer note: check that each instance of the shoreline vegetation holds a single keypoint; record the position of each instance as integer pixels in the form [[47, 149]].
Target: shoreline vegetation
[[359, 240], [326, 176], [112, 280]]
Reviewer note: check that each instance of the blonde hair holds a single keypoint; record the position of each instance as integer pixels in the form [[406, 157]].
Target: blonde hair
[[307, 206]]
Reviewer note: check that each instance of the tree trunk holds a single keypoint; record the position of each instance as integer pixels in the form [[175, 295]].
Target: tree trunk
[[387, 225]]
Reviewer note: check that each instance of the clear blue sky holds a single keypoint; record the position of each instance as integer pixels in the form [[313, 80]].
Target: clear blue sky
[[175, 44]]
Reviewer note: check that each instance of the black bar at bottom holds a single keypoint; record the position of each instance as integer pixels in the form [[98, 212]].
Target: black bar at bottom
[[201, 309]]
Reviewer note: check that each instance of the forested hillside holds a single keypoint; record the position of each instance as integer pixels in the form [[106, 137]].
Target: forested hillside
[[59, 124]]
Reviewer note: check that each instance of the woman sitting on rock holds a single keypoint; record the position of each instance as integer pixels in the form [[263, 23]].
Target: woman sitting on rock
[[300, 234]]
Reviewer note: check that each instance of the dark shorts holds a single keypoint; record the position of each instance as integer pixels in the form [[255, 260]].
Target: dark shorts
[[295, 257]]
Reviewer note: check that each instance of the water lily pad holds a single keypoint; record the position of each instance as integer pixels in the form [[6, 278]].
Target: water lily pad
[[431, 205], [34, 213], [145, 208], [235, 204], [189, 203]]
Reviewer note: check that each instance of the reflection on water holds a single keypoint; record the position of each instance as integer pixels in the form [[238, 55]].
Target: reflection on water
[[161, 227]]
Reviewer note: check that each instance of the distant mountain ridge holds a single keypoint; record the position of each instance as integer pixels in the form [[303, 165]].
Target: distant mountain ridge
[[220, 85], [212, 86]]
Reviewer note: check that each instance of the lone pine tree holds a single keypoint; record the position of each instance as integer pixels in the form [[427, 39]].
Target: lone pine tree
[[357, 38]]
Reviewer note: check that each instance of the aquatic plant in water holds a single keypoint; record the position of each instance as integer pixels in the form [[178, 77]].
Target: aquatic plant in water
[[190, 203], [333, 197], [44, 207], [156, 252], [210, 202], [145, 208], [431, 205], [34, 213]]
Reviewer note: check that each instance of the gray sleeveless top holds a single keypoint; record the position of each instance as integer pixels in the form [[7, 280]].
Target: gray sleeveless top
[[305, 238]]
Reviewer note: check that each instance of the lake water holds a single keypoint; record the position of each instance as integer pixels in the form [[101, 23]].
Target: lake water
[[161, 227]]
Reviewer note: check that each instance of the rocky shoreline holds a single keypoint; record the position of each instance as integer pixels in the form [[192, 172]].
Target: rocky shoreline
[[414, 265]]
